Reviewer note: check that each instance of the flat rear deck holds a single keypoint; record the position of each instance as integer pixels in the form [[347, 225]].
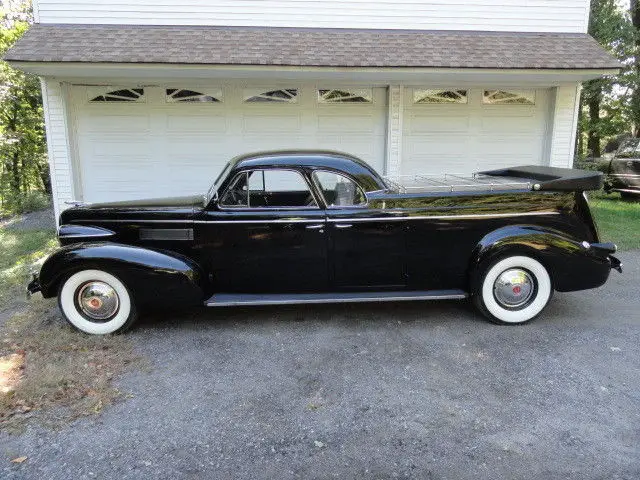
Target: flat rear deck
[[451, 182]]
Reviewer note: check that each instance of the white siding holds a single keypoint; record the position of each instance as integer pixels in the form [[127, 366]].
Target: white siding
[[494, 15], [53, 99], [394, 131], [563, 131]]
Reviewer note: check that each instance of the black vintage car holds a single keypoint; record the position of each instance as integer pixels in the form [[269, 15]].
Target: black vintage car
[[624, 170], [315, 227]]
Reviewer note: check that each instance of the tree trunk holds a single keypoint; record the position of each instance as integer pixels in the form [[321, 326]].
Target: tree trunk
[[593, 139], [14, 181], [43, 173], [580, 134]]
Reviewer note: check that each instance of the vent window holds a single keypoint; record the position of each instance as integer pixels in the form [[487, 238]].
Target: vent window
[[175, 95], [345, 96], [123, 95], [436, 96], [288, 95], [509, 97]]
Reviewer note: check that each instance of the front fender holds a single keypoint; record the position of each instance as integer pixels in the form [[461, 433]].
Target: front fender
[[153, 276], [572, 264]]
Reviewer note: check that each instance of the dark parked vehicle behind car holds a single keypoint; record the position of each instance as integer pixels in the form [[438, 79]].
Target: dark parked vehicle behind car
[[313, 227], [624, 170]]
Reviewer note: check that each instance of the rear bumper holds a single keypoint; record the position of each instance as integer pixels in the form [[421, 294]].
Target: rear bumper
[[590, 268], [615, 263]]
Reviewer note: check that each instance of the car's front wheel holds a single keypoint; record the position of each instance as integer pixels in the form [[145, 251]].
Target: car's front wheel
[[96, 302], [512, 290]]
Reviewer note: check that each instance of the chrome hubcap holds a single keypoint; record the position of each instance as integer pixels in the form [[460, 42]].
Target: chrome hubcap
[[98, 300], [514, 288]]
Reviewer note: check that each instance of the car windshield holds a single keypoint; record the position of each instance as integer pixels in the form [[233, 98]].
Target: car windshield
[[214, 188]]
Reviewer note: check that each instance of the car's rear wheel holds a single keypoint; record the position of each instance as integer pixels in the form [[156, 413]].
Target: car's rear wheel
[[512, 290], [96, 302]]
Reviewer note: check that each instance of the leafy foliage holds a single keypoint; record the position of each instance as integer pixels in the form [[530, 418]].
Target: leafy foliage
[[605, 109], [23, 162]]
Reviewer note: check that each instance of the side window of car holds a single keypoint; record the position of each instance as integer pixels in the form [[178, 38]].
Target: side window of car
[[338, 190], [269, 189]]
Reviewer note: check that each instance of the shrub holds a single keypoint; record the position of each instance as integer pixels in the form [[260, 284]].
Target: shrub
[[593, 164], [27, 202]]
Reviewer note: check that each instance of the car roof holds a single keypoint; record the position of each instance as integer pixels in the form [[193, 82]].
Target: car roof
[[339, 161]]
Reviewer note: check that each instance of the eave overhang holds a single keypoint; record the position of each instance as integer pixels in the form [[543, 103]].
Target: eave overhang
[[150, 74]]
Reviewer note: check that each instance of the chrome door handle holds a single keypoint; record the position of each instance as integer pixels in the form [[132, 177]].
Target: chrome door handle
[[344, 225], [315, 227]]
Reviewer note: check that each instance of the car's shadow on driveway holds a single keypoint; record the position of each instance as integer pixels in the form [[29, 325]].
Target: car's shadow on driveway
[[433, 313]]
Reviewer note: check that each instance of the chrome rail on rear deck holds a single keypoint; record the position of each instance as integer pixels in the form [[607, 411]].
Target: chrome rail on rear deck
[[452, 182]]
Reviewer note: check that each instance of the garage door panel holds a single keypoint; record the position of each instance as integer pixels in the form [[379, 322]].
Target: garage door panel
[[353, 123], [188, 124], [435, 121], [438, 163], [99, 123], [259, 123], [438, 144], [493, 125], [101, 147]]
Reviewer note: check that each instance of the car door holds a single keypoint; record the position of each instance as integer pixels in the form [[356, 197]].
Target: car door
[[367, 250], [267, 235]]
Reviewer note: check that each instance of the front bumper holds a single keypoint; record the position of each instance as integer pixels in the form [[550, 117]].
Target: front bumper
[[34, 285]]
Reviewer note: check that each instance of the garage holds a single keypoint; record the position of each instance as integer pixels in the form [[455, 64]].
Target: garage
[[139, 141], [470, 129]]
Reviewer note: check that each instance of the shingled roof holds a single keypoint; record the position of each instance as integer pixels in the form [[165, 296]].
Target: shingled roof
[[308, 47]]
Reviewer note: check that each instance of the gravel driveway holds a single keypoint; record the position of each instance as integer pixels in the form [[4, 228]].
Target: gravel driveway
[[368, 391]]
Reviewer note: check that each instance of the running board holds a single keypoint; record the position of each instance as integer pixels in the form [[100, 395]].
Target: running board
[[238, 299]]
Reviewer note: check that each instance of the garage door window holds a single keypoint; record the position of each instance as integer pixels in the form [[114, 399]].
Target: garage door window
[[509, 97], [361, 95], [122, 95], [287, 95], [439, 96], [174, 95]]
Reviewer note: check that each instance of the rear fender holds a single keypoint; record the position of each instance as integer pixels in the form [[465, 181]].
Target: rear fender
[[154, 277], [572, 264]]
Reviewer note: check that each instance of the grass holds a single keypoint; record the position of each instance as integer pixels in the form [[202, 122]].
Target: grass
[[618, 220], [48, 371], [63, 374], [19, 249]]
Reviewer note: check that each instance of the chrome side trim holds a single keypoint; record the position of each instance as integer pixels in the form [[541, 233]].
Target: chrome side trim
[[95, 235], [441, 217], [170, 234], [234, 303], [334, 220], [277, 220]]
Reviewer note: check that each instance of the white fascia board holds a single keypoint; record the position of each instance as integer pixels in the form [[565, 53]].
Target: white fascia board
[[106, 73]]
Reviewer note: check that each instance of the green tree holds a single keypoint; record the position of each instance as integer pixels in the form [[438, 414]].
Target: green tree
[[23, 162], [603, 111]]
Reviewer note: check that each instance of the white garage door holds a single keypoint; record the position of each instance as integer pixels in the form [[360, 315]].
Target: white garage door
[[466, 130], [162, 141]]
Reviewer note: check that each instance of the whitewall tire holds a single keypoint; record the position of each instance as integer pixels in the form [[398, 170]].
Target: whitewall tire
[[513, 290], [96, 302]]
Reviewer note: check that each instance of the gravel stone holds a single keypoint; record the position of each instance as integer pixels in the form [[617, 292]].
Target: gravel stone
[[40, 220]]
